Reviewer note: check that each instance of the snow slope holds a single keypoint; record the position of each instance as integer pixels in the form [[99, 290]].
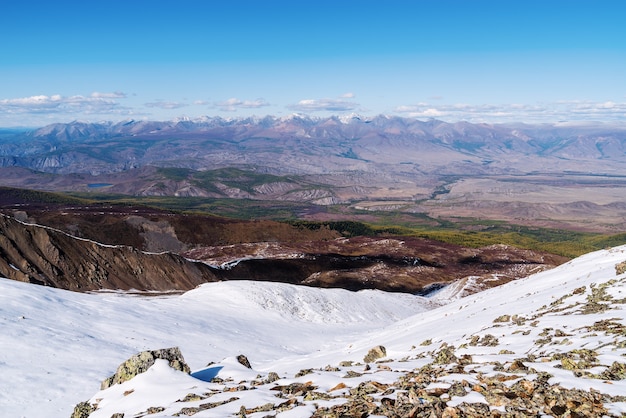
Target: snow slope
[[57, 346]]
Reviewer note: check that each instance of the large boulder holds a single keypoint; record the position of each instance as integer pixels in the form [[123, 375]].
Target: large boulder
[[141, 362]]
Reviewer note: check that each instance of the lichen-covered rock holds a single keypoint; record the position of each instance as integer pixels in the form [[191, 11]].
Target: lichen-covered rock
[[356, 408], [272, 377], [617, 371], [304, 372], [446, 356], [502, 318], [141, 362], [375, 353], [83, 410]]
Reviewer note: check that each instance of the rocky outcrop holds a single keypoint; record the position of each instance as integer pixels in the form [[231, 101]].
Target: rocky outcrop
[[83, 410], [141, 362], [135, 365], [375, 353], [250, 250], [48, 256], [395, 264], [36, 254], [451, 388]]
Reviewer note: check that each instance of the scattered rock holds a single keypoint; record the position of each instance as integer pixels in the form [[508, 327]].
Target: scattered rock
[[272, 377], [617, 371], [296, 389], [502, 318], [516, 366], [83, 410], [304, 372], [243, 360], [375, 353], [339, 386], [446, 355]]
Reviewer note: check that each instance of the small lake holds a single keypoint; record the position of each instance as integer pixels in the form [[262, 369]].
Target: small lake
[[98, 185]]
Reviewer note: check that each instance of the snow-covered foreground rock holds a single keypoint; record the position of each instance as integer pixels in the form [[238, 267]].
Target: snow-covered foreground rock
[[57, 346], [553, 344]]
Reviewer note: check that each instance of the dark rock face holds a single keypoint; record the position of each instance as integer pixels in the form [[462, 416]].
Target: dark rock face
[[141, 362], [66, 253], [243, 360], [394, 264], [46, 256]]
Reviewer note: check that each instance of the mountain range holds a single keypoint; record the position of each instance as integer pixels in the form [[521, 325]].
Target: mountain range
[[555, 175], [308, 146]]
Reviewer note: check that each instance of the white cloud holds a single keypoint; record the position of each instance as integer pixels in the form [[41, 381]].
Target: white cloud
[[233, 104], [516, 112], [347, 96], [323, 105], [165, 105], [114, 95], [96, 103]]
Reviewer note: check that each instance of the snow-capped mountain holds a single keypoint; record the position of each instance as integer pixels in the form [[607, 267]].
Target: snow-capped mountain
[[333, 143], [553, 344], [323, 162]]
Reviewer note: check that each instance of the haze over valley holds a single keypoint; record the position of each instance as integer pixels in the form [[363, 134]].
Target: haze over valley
[[312, 209]]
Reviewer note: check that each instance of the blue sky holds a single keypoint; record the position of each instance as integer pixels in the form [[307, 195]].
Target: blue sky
[[481, 61]]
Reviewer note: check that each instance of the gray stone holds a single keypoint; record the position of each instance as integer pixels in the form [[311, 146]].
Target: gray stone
[[375, 353], [243, 360], [83, 410], [141, 362]]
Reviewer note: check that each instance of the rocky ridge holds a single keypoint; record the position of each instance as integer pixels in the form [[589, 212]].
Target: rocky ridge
[[553, 344], [400, 264], [320, 144], [46, 256], [74, 259]]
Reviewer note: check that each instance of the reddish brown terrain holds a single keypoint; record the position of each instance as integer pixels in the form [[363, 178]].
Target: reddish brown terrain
[[151, 250]]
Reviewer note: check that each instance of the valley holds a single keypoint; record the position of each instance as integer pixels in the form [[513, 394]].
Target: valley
[[561, 176], [449, 244], [358, 203]]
